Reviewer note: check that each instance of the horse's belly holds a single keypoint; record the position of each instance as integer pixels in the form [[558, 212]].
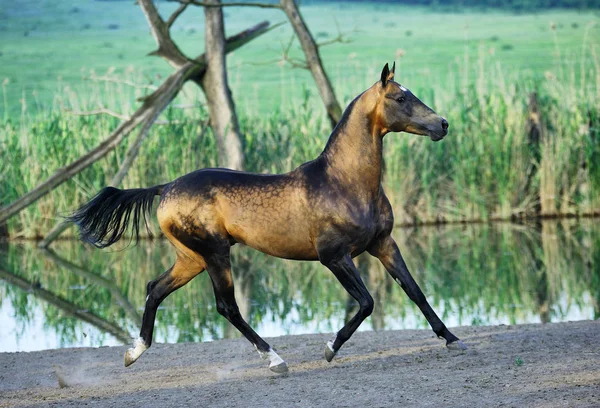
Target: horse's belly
[[283, 240]]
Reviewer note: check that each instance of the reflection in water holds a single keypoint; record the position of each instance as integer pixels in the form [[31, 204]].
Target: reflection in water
[[472, 275]]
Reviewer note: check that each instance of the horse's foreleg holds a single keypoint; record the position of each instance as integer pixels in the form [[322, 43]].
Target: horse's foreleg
[[388, 253], [345, 271], [219, 270], [157, 290]]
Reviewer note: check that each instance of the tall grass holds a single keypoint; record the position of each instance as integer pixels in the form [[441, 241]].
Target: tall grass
[[479, 172]]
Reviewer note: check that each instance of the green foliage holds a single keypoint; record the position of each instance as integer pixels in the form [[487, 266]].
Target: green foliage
[[510, 5], [457, 66], [479, 172]]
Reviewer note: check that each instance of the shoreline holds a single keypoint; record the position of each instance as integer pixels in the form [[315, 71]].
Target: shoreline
[[514, 219], [553, 364]]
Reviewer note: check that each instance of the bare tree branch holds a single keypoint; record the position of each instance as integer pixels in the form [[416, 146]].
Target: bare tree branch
[[130, 157], [148, 112], [99, 111], [295, 63], [134, 150], [313, 59], [121, 81], [104, 111], [176, 13], [231, 4], [284, 58], [309, 46], [190, 71], [340, 38], [160, 31]]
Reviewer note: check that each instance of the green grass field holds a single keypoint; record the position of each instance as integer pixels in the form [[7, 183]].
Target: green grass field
[[60, 42], [477, 69]]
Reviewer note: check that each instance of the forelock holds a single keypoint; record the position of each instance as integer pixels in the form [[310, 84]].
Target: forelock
[[402, 88]]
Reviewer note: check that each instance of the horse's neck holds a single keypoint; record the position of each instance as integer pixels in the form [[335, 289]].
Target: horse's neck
[[354, 152]]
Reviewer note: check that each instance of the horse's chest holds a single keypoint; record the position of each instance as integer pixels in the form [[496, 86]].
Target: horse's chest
[[358, 225]]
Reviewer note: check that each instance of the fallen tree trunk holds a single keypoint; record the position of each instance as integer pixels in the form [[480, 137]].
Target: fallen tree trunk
[[150, 109], [98, 280], [130, 157], [193, 70], [66, 307]]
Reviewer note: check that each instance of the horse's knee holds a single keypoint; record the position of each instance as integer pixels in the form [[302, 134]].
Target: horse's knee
[[150, 286], [366, 306], [157, 290], [227, 310], [152, 297]]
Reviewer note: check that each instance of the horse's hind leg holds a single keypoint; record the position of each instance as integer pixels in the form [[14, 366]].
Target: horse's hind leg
[[219, 269], [184, 270]]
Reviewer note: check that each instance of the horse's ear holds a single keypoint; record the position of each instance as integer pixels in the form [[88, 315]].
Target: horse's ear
[[390, 75], [384, 75]]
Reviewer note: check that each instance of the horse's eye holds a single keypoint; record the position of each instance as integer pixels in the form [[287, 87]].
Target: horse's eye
[[401, 99]]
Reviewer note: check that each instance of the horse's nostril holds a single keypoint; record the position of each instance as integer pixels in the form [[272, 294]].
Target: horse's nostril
[[444, 124]]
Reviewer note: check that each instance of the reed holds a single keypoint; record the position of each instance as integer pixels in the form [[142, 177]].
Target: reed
[[479, 172]]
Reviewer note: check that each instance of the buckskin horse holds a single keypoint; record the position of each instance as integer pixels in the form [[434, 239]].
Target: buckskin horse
[[330, 209]]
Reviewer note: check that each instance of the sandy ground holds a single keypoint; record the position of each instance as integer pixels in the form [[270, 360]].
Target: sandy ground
[[552, 365]]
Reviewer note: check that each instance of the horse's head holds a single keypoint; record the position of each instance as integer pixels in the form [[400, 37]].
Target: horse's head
[[398, 110]]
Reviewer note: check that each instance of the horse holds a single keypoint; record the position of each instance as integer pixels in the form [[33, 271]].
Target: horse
[[330, 210]]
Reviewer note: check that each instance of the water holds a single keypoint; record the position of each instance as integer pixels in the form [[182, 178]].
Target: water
[[471, 274]]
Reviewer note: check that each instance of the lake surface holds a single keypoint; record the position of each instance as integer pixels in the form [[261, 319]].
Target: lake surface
[[484, 274]]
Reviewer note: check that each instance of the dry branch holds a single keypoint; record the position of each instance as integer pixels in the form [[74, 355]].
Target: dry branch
[[313, 59], [122, 81], [130, 157], [160, 31], [150, 109], [229, 4], [309, 46], [105, 111], [176, 14], [339, 39], [64, 173], [99, 111]]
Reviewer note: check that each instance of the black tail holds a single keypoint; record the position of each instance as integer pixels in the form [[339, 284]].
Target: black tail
[[104, 219]]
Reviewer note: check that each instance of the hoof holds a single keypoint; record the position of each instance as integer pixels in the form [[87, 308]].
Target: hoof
[[132, 354], [277, 365], [456, 345], [129, 359], [329, 353], [280, 368]]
